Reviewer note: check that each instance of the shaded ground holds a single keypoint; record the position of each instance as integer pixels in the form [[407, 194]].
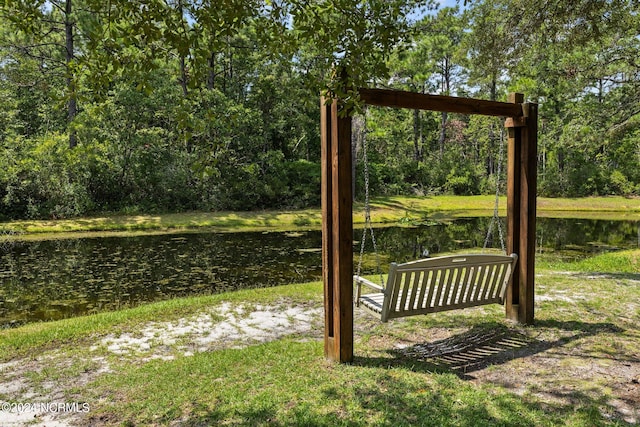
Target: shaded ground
[[557, 370], [580, 350]]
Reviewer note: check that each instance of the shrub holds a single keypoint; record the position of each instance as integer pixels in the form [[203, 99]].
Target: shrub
[[43, 178]]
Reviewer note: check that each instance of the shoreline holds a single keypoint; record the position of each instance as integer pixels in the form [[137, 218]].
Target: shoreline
[[385, 211]]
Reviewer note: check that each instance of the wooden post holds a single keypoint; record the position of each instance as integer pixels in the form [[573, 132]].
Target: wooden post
[[528, 196], [521, 209], [327, 219], [513, 205], [337, 232]]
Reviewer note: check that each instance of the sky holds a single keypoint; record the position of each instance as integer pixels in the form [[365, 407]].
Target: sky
[[441, 4], [447, 3]]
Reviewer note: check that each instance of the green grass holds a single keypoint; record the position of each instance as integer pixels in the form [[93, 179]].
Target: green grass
[[569, 369], [37, 337], [384, 210], [290, 383], [223, 221], [612, 262]]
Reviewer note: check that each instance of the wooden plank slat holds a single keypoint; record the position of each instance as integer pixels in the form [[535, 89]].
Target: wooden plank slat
[[495, 276], [491, 276], [430, 301], [460, 273], [452, 274], [481, 283], [394, 290], [492, 279], [473, 282], [498, 284], [423, 284], [415, 285], [464, 283], [500, 271], [503, 290], [451, 104], [390, 291], [373, 302], [505, 273], [440, 277], [405, 286], [442, 288]]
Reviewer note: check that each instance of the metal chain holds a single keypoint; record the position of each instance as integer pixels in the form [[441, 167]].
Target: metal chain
[[367, 206], [496, 216], [499, 171]]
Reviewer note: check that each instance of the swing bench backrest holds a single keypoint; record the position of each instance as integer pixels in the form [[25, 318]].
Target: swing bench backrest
[[438, 284]]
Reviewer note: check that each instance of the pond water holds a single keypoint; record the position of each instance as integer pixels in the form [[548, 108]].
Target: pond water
[[53, 279]]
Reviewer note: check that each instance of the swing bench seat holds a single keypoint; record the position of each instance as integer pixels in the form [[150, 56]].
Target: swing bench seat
[[438, 284]]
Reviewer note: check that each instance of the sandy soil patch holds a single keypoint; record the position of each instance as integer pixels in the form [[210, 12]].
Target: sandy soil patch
[[225, 326], [46, 403]]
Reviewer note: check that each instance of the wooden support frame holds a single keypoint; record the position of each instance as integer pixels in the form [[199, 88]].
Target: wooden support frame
[[337, 231], [522, 157], [337, 209]]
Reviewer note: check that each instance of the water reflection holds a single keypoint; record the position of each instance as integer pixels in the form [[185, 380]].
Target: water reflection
[[62, 278]]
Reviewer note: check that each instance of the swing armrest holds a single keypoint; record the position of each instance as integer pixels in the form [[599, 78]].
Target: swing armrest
[[368, 283]]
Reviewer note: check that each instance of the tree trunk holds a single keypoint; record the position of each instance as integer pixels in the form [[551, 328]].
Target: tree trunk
[[491, 161], [72, 104], [417, 135], [443, 132], [211, 77], [446, 90], [494, 88], [184, 78]]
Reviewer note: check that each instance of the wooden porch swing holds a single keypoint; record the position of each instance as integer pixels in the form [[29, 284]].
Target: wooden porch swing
[[435, 284], [440, 283]]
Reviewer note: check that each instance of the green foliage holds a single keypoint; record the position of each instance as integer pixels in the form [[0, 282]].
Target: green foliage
[[206, 105], [463, 183], [42, 178], [356, 38]]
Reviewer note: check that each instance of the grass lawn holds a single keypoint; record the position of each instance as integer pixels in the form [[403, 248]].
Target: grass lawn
[[384, 210], [256, 358]]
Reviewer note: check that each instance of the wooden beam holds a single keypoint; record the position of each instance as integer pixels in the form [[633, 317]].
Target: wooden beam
[[514, 144], [327, 222], [528, 196], [521, 209], [337, 239], [451, 104]]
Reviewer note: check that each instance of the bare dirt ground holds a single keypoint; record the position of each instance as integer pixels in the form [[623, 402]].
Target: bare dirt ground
[[557, 363]]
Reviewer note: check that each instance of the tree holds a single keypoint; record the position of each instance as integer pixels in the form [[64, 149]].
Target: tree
[[444, 36], [46, 32]]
